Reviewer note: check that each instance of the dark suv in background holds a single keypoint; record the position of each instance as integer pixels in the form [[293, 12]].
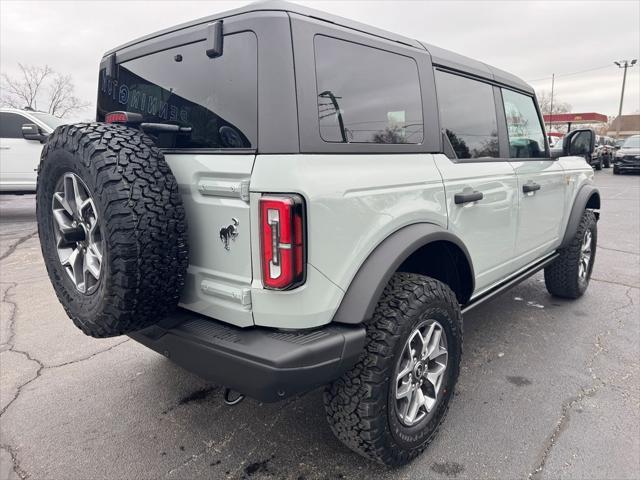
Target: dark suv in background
[[627, 159]]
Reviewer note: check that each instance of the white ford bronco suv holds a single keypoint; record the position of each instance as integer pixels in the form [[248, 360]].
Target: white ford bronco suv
[[279, 199]]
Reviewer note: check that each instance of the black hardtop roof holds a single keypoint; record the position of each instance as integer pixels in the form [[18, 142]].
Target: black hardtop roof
[[440, 56]]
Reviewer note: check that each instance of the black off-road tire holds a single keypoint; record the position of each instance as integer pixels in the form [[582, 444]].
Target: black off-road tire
[[607, 163], [359, 405], [141, 219], [616, 170], [598, 165], [561, 277]]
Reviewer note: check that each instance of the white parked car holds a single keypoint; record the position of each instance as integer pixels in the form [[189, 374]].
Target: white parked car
[[22, 133]]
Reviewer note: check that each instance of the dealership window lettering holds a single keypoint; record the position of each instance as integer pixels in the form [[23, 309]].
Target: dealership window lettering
[[140, 102]]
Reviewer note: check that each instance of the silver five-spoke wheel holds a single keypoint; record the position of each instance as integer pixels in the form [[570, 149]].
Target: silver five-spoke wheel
[[420, 372], [585, 254], [77, 232]]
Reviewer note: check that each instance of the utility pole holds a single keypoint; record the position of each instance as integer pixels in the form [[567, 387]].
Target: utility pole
[[553, 80], [334, 101], [623, 64]]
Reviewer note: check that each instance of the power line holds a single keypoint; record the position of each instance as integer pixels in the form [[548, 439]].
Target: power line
[[571, 73]]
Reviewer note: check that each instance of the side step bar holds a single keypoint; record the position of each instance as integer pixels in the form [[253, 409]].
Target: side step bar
[[510, 282]]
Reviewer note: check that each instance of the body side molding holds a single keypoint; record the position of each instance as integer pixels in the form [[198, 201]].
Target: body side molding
[[367, 285]]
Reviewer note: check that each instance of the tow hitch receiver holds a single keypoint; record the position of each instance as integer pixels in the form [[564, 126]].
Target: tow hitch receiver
[[231, 397]]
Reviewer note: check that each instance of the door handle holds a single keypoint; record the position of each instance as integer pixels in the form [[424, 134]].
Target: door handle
[[5, 148], [530, 187], [467, 196]]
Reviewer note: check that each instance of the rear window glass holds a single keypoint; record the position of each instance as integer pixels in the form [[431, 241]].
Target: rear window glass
[[366, 95], [214, 99]]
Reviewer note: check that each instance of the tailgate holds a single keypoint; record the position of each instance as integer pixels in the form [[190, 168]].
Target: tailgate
[[215, 193], [202, 111]]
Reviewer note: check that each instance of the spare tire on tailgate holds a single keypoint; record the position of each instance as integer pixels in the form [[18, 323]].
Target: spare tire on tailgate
[[112, 227]]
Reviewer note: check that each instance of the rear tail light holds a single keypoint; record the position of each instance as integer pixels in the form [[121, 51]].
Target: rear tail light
[[282, 238]]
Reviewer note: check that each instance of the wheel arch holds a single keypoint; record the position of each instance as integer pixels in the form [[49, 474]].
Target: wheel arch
[[588, 197], [408, 250]]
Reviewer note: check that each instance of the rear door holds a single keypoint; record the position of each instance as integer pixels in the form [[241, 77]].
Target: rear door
[[541, 180], [202, 112], [480, 186]]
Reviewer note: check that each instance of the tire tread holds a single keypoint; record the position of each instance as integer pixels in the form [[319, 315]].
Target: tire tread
[[561, 276], [356, 403], [144, 227]]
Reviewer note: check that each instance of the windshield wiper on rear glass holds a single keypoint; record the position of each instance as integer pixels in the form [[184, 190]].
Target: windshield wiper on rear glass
[[163, 128]]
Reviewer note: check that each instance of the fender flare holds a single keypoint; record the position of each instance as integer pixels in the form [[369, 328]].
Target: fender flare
[[583, 198], [374, 274]]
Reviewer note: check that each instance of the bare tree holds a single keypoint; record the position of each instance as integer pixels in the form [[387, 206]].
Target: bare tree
[[544, 100], [390, 135], [40, 84], [23, 92], [62, 100], [607, 127]]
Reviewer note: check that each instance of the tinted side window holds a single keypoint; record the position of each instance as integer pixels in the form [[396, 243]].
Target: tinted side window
[[526, 136], [468, 115], [366, 95], [214, 100], [11, 125]]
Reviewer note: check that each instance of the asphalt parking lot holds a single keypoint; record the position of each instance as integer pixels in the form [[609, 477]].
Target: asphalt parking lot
[[548, 388]]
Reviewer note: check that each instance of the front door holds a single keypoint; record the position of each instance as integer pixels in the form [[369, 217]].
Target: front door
[[541, 187], [19, 157], [541, 181]]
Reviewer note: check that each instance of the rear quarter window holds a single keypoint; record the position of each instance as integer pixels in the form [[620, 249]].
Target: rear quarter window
[[214, 99], [366, 95]]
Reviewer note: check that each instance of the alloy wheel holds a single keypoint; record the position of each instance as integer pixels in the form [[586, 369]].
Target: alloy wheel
[[585, 255], [420, 372], [77, 232]]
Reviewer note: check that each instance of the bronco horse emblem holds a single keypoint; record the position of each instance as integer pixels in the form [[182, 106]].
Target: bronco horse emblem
[[229, 232]]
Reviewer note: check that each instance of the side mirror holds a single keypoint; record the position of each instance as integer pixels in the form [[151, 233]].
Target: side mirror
[[30, 131], [579, 143]]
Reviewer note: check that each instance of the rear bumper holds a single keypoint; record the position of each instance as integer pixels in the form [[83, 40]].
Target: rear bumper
[[262, 363]]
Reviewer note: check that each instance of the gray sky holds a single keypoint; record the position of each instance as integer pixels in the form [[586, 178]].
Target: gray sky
[[530, 39]]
